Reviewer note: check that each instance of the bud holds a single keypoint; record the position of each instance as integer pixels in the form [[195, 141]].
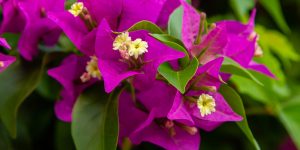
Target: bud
[[190, 130], [1, 64], [258, 51], [169, 124]]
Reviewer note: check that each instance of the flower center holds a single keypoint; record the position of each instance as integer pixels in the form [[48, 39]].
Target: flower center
[[137, 47], [122, 42], [76, 8], [206, 104], [128, 48], [1, 64], [92, 70]]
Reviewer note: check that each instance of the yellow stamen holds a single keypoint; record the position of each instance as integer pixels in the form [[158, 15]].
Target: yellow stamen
[[206, 104], [76, 8], [137, 47], [127, 47], [92, 70], [122, 42]]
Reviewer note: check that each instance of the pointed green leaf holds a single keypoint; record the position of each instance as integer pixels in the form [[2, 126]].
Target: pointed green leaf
[[259, 93], [16, 83], [175, 23], [63, 138], [288, 114], [179, 79], [278, 43], [5, 142], [146, 25], [48, 87], [167, 37], [12, 39], [242, 8], [235, 101], [174, 43], [274, 9], [95, 120], [273, 90], [189, 1], [232, 67]]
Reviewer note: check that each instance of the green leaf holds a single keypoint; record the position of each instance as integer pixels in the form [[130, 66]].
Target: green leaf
[[175, 23], [235, 101], [278, 43], [273, 89], [274, 9], [259, 93], [232, 67], [179, 79], [12, 39], [167, 37], [48, 87], [281, 45], [146, 25], [50, 49], [242, 8], [174, 43], [5, 141], [66, 43], [63, 138], [288, 113], [95, 120], [17, 82]]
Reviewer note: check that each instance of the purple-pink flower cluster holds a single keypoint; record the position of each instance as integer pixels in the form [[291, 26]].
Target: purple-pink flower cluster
[[111, 55]]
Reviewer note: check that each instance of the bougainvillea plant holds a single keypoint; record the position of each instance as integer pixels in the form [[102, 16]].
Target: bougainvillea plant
[[130, 71]]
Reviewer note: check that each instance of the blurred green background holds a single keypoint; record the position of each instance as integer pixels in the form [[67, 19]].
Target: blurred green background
[[273, 110]]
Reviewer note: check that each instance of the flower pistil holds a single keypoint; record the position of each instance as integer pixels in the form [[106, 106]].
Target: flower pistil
[[76, 9], [128, 48], [92, 70], [137, 47], [206, 104], [122, 42]]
